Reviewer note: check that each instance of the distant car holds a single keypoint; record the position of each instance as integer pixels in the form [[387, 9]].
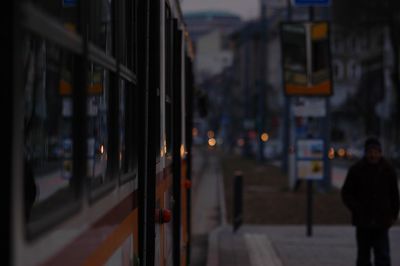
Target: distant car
[[356, 149], [355, 152], [340, 151]]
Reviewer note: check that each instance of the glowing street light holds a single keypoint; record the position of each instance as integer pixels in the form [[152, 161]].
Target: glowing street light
[[264, 137]]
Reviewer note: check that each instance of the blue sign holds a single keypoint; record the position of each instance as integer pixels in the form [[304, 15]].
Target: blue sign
[[311, 2]]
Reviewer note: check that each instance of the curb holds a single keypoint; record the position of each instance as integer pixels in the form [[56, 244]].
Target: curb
[[213, 241]]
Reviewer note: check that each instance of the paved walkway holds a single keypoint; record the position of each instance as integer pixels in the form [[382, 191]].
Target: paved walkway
[[262, 245], [206, 202], [215, 244]]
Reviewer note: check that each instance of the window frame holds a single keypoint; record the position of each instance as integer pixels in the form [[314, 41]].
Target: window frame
[[37, 22]]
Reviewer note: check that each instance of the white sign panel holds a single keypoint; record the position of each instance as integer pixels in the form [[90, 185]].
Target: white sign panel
[[310, 149], [312, 107]]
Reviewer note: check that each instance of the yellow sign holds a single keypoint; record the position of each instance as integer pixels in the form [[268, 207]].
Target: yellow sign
[[319, 31]]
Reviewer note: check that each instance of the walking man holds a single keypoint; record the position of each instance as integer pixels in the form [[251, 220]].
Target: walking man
[[371, 194]]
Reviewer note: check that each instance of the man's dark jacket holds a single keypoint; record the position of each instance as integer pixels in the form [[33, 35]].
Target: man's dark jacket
[[371, 193]]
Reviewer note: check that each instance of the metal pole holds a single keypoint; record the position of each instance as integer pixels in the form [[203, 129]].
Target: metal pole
[[286, 129], [237, 200], [327, 163], [309, 207], [261, 82], [310, 192]]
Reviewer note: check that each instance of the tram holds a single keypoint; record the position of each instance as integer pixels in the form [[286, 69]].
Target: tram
[[97, 124]]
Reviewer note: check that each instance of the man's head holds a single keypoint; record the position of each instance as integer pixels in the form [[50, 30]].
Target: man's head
[[373, 150]]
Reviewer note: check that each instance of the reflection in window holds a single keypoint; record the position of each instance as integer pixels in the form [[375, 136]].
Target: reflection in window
[[101, 27], [122, 162], [65, 11], [97, 114], [48, 128], [130, 33], [127, 139], [168, 79]]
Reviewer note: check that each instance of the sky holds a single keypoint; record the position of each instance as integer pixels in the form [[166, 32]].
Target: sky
[[246, 9]]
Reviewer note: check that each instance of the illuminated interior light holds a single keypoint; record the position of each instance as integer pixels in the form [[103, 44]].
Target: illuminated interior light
[[182, 149]]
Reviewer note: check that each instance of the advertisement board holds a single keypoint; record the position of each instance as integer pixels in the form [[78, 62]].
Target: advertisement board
[[306, 63]]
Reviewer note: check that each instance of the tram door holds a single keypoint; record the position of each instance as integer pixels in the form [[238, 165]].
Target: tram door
[[167, 199]]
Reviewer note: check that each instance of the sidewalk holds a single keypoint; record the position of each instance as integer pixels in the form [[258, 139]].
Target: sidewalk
[[288, 245], [255, 245]]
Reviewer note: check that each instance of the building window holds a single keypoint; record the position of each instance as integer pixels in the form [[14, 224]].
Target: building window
[[353, 70], [338, 70]]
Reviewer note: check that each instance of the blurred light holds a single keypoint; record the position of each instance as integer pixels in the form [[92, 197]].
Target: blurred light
[[341, 152], [291, 149], [349, 155], [212, 142], [264, 137], [101, 149], [240, 142], [331, 153], [252, 134], [195, 132], [182, 151], [210, 134]]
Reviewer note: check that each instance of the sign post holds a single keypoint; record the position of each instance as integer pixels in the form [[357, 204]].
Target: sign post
[[306, 58], [306, 68]]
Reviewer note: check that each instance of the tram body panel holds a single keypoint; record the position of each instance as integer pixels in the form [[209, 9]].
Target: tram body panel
[[76, 134]]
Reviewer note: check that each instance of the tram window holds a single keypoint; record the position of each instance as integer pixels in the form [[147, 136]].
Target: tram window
[[127, 161], [101, 25], [64, 11], [127, 16], [159, 148], [97, 124], [168, 79], [48, 86]]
